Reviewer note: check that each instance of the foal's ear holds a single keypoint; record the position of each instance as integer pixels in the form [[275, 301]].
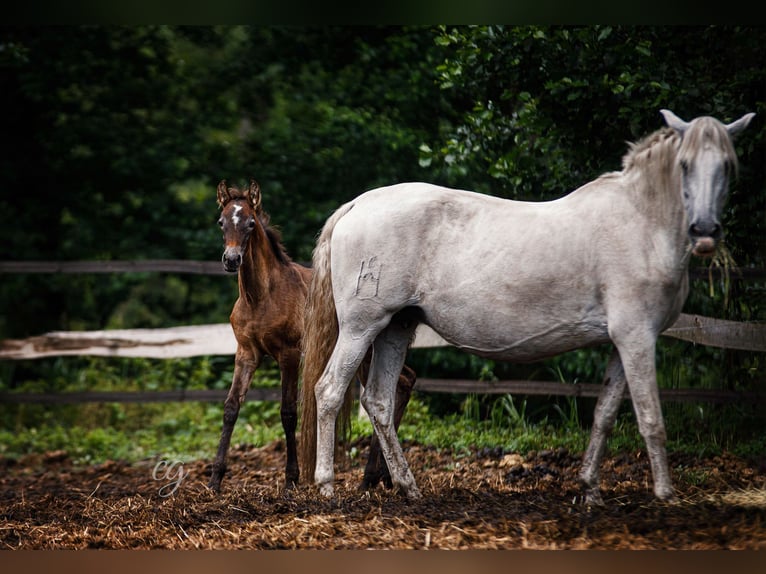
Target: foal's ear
[[222, 194], [735, 127], [674, 121], [254, 195]]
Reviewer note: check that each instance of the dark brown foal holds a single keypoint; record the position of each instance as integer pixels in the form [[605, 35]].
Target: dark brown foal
[[267, 319]]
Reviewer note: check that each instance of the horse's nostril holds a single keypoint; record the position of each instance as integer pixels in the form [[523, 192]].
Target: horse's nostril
[[231, 261], [705, 229]]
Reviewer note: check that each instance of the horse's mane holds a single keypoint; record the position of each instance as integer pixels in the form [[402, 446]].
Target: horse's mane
[[273, 234], [661, 145]]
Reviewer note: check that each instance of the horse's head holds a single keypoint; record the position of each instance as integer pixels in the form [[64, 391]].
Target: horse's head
[[239, 215], [706, 159]]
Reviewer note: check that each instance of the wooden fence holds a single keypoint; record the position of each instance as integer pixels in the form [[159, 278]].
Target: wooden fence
[[218, 339]]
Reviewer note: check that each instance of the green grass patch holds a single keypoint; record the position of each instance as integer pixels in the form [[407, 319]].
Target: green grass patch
[[94, 433]]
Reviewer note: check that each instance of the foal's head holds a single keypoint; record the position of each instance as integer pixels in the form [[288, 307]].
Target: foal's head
[[707, 159], [239, 216]]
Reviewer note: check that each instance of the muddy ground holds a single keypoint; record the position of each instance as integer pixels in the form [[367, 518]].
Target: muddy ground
[[486, 499]]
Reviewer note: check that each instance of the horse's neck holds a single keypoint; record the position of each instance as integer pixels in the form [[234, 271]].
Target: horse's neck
[[259, 264], [658, 192]]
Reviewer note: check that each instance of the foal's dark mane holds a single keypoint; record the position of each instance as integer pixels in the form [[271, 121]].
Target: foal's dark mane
[[272, 233], [275, 239]]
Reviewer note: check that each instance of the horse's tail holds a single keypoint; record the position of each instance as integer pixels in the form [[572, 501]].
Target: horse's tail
[[320, 333]]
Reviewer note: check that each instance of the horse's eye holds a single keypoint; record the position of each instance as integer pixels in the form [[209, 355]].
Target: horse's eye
[[220, 222], [251, 223], [685, 166]]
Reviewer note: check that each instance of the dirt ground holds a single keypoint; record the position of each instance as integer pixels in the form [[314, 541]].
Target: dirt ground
[[488, 499]]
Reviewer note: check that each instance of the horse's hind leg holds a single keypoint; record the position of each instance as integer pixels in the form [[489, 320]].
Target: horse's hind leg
[[376, 469], [329, 392], [245, 364], [289, 365], [389, 351], [603, 421]]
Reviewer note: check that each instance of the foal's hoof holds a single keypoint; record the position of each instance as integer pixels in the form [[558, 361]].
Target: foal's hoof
[[371, 482], [215, 485]]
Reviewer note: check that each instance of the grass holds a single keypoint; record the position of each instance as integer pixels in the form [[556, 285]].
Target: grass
[[94, 433]]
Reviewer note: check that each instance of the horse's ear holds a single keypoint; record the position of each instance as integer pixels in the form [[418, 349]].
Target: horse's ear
[[735, 127], [674, 121], [222, 193], [254, 195]]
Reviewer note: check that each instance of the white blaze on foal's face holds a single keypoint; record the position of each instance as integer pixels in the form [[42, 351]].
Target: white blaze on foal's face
[[235, 215]]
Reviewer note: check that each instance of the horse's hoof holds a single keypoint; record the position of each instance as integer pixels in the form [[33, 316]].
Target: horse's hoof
[[593, 498], [414, 496], [326, 490], [412, 492], [671, 499]]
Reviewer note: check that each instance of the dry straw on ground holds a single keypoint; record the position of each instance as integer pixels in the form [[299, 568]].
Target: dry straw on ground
[[488, 499]]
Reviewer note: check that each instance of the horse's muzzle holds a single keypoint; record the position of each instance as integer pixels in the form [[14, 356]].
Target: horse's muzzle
[[704, 246], [704, 236]]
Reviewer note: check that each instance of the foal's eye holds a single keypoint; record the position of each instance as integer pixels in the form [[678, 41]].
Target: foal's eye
[[684, 166]]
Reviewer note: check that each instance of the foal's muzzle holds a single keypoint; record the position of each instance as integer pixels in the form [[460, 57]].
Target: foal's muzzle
[[232, 259]]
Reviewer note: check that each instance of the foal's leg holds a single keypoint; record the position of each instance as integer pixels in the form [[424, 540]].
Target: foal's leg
[[329, 392], [245, 364], [289, 364], [376, 469], [638, 360], [603, 421], [389, 351]]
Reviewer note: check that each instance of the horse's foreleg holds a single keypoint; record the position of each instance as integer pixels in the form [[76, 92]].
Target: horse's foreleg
[[389, 351], [245, 365], [603, 422], [288, 365], [640, 370], [376, 468]]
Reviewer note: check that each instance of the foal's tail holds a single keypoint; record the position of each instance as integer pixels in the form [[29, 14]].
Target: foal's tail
[[320, 333]]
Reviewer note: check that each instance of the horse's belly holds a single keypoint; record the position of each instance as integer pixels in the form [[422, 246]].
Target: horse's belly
[[508, 342]]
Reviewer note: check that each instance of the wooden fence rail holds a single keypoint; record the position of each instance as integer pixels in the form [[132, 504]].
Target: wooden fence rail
[[459, 386], [137, 266]]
